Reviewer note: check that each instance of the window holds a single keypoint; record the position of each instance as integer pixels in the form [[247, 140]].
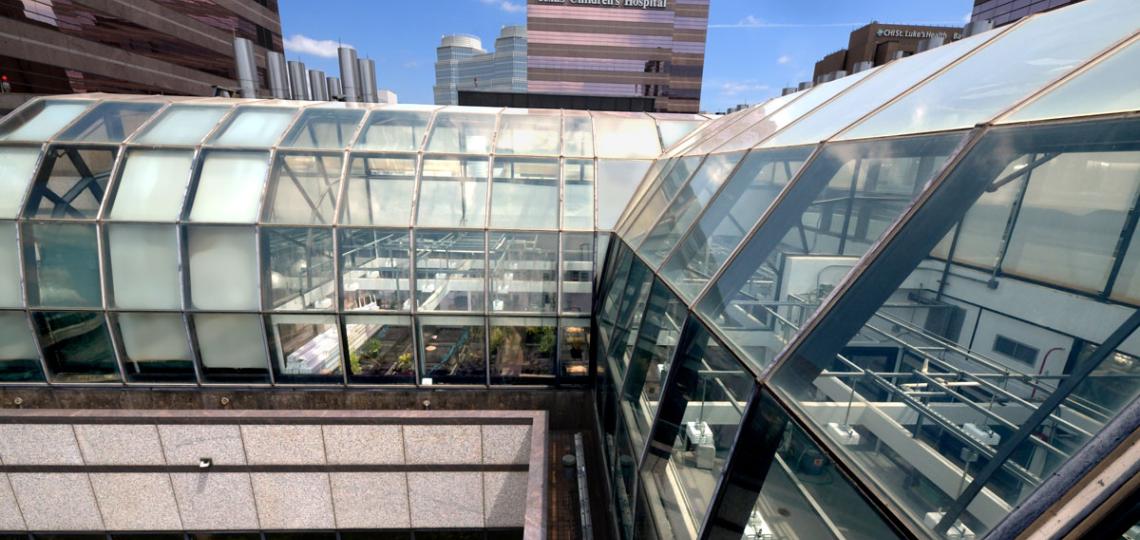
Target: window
[[1016, 350], [380, 190], [524, 194], [453, 192]]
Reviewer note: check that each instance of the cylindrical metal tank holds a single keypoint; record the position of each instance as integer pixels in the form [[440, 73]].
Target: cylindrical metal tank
[[349, 81], [366, 67], [317, 88], [333, 85], [246, 68], [299, 80], [278, 80]]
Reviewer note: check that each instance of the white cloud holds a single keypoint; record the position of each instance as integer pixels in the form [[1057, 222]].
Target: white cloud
[[736, 88], [505, 5], [300, 44], [753, 21], [783, 59]]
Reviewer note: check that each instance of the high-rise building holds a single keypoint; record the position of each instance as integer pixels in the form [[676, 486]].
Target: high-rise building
[[462, 64], [876, 44], [631, 48], [147, 46], [1002, 12]]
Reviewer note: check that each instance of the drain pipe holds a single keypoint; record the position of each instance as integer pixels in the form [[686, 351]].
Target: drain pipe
[[583, 492]]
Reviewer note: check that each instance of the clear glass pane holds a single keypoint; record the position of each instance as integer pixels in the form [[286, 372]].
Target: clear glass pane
[[76, 346], [657, 198], [686, 206], [300, 272], [523, 349], [182, 124], [11, 292], [1086, 215], [450, 271], [71, 183], [453, 192], [394, 130], [574, 348], [305, 348], [17, 165], [110, 122], [694, 434], [380, 349], [533, 134], [845, 201], [617, 181], [376, 269], [578, 194], [144, 266], [973, 91], [755, 184], [892, 79], [304, 189], [523, 270], [577, 135], [155, 347], [41, 120], [453, 350], [577, 273], [465, 133], [19, 358], [623, 137], [232, 347], [1106, 87], [152, 185], [650, 358], [742, 130], [380, 190], [223, 268], [61, 264], [977, 244], [324, 128], [675, 130], [524, 194], [229, 187], [254, 126]]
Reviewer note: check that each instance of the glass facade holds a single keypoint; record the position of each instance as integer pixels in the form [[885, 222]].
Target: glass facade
[[462, 64]]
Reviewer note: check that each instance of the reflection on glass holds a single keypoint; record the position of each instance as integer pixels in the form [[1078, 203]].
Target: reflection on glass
[[152, 185], [144, 266], [577, 135], [752, 188], [300, 270], [1105, 87], [380, 190], [686, 206], [61, 264], [976, 244], [675, 130], [19, 358], [663, 190], [41, 120], [380, 349], [11, 283], [76, 346], [624, 137], [450, 270], [376, 269], [465, 133], [577, 273], [182, 124], [303, 189], [532, 134], [524, 194], [453, 192], [650, 357], [843, 203], [700, 416], [305, 348], [578, 194], [522, 350], [617, 180], [71, 183], [394, 130], [232, 348], [223, 268], [324, 128], [154, 347], [574, 348], [17, 165], [523, 271], [110, 122], [254, 126], [229, 187], [453, 350]]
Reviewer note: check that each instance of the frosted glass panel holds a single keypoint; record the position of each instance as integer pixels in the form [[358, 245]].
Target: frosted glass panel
[[623, 137], [152, 185], [232, 347], [230, 186], [155, 347], [42, 121], [10, 293], [1030, 55], [17, 165], [1108, 87], [255, 126], [182, 124], [223, 268], [19, 358], [144, 266], [617, 181]]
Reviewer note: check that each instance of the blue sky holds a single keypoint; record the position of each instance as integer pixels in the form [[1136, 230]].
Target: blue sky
[[755, 47]]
